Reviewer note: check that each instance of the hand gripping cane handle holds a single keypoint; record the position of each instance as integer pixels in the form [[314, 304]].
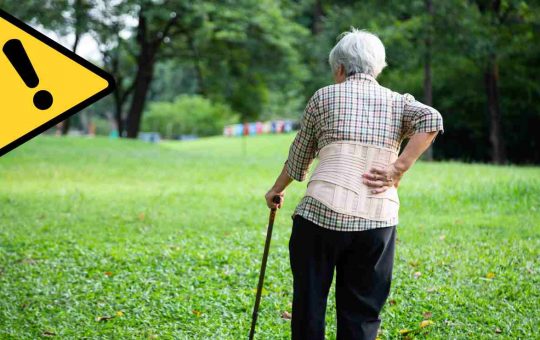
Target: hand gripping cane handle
[[277, 200]]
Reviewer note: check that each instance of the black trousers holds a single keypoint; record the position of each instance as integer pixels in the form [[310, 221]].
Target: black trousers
[[363, 261]]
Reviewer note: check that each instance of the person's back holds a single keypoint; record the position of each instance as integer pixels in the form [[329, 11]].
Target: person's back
[[359, 109]]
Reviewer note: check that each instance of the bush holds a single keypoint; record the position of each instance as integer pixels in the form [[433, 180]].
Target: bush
[[188, 114], [103, 126]]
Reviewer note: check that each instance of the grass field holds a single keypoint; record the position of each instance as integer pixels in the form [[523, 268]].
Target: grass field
[[121, 239]]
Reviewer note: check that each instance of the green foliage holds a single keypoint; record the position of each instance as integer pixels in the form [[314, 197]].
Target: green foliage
[[264, 59], [188, 114], [47, 13], [103, 126], [172, 235], [248, 51], [463, 36]]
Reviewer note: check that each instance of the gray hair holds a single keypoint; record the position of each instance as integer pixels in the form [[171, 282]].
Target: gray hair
[[358, 51]]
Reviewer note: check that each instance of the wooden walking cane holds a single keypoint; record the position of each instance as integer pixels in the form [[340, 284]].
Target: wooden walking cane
[[276, 200]]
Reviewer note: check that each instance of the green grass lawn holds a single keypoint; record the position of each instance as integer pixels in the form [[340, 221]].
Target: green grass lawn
[[121, 239]]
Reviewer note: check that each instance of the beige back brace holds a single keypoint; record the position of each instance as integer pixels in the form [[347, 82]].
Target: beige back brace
[[337, 180]]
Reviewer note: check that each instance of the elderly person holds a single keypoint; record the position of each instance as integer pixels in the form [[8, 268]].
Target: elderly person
[[348, 217]]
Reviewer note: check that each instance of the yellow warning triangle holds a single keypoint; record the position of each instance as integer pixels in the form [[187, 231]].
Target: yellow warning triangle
[[41, 83]]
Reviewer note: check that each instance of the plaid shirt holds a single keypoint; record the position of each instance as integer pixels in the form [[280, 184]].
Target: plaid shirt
[[361, 110]]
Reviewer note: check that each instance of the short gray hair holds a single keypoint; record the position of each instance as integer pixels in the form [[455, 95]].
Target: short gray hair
[[358, 51]]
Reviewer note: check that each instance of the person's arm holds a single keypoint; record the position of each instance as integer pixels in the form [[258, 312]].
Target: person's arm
[[422, 124], [278, 189], [301, 154], [380, 180]]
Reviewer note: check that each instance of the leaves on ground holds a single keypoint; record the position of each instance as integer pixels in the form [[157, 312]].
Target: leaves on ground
[[425, 323], [404, 331], [104, 318], [427, 315]]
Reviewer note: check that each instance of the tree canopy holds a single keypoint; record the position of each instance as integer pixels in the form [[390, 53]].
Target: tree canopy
[[475, 61]]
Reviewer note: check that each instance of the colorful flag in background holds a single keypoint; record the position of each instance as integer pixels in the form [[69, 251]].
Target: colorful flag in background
[[257, 128]]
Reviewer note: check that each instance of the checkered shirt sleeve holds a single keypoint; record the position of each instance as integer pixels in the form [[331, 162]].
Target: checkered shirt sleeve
[[304, 146], [418, 117]]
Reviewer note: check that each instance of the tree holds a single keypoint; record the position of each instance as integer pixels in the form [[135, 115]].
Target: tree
[[500, 28], [247, 56], [158, 22], [112, 32], [428, 52], [155, 24], [77, 19]]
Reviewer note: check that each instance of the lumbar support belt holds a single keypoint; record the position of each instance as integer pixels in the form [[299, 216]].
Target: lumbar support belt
[[337, 180]]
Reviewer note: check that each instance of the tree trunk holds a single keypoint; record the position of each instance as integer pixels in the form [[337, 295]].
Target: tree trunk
[[491, 78], [120, 94], [318, 14], [146, 60], [65, 125], [78, 13], [118, 113], [143, 79], [428, 84]]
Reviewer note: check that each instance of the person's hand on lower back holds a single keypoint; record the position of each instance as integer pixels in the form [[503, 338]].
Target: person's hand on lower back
[[380, 179], [270, 197]]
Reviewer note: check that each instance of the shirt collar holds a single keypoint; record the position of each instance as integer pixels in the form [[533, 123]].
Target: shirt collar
[[361, 76]]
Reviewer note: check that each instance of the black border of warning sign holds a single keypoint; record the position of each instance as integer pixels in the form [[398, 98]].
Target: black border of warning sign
[[71, 55]]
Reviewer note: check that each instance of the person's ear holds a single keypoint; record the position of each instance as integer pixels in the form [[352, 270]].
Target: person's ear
[[341, 71], [341, 74]]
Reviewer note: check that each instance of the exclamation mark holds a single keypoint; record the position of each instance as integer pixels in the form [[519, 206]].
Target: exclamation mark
[[14, 51]]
